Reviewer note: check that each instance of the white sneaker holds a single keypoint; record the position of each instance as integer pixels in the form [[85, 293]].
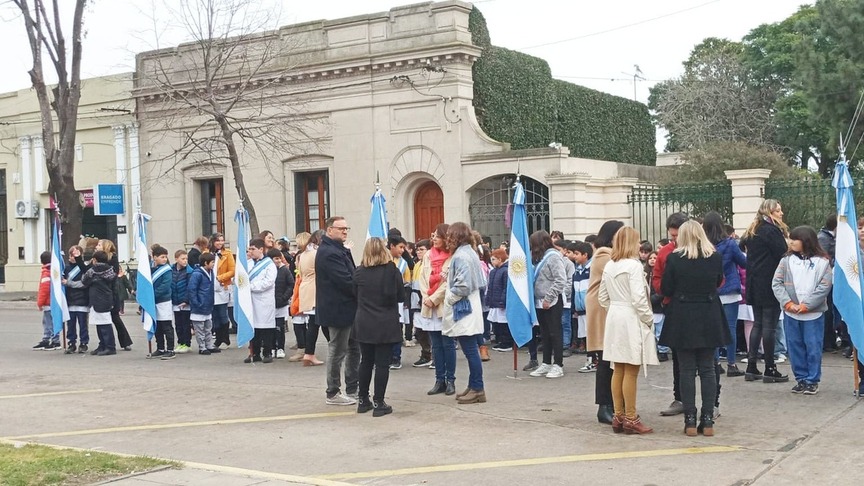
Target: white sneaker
[[409, 344], [589, 367], [280, 354], [341, 400], [541, 370], [555, 372], [781, 358]]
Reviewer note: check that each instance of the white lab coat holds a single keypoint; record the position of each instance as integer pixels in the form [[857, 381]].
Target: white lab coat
[[263, 288]]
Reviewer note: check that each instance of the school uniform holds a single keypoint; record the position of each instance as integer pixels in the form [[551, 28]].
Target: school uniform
[[283, 291], [78, 300], [180, 304], [162, 279], [99, 281], [262, 282], [201, 300]]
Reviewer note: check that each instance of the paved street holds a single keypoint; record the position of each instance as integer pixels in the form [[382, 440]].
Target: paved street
[[268, 424]]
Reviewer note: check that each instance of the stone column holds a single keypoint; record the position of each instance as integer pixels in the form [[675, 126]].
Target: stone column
[[568, 204], [38, 187], [747, 188]]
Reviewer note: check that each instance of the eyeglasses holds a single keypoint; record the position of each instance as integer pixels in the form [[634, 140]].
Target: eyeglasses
[[342, 228]]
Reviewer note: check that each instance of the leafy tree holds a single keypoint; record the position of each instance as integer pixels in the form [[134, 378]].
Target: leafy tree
[[709, 162]]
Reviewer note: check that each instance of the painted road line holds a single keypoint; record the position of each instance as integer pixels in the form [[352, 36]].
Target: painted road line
[[531, 462], [51, 394], [180, 425]]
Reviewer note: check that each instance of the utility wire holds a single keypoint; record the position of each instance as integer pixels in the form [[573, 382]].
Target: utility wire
[[855, 117]]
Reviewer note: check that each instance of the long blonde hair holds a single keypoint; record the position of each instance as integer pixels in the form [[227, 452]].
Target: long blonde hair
[[375, 253], [108, 247], [625, 244], [765, 209], [693, 243]]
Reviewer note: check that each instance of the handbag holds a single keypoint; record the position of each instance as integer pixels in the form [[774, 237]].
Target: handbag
[[461, 309], [295, 298]]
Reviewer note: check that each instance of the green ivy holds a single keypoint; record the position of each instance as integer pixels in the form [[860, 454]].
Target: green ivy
[[517, 101]]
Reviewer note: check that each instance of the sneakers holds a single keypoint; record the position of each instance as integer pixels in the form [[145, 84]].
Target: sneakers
[[555, 372], [82, 349], [395, 364], [280, 354], [70, 349], [799, 388], [771, 375], [422, 363], [589, 367], [541, 370], [531, 366], [409, 344], [214, 350], [267, 358], [181, 349], [781, 358], [566, 353], [675, 408], [811, 389], [156, 354], [204, 352], [502, 348], [249, 359], [106, 352], [40, 346], [340, 400], [53, 347], [733, 371], [168, 355]]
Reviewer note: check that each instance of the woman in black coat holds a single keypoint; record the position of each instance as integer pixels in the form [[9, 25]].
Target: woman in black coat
[[379, 289], [695, 324], [765, 244]]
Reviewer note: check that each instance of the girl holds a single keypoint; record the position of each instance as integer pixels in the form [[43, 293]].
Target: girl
[[656, 306], [224, 269], [802, 284], [306, 267], [123, 338], [550, 282], [496, 299], [432, 284]]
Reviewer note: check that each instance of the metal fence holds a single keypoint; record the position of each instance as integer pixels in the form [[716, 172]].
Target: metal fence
[[806, 201], [651, 205]]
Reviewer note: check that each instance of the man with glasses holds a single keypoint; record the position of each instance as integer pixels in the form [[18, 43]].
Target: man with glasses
[[335, 307]]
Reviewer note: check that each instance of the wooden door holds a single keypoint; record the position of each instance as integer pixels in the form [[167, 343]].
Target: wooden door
[[428, 209]]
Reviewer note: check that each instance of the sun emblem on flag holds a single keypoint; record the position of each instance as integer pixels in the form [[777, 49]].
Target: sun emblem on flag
[[55, 273], [852, 266], [517, 267], [242, 280]]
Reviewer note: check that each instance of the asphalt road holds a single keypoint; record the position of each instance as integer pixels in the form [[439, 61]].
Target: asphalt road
[[271, 418]]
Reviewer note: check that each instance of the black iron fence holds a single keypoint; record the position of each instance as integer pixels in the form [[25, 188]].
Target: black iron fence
[[651, 205]]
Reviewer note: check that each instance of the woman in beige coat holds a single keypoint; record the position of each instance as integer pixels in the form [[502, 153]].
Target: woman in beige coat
[[595, 319], [306, 294], [628, 340]]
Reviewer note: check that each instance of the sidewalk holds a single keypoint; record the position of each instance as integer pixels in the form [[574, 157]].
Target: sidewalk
[[201, 475]]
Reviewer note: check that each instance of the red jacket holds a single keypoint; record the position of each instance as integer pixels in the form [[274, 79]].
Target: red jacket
[[660, 266], [44, 297]]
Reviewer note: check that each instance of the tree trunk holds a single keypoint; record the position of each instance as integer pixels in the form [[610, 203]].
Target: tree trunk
[[239, 184]]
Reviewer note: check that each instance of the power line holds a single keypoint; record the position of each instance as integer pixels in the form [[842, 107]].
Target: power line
[[620, 27]]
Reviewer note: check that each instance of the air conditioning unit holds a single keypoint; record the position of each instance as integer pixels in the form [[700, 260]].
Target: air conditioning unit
[[26, 209]]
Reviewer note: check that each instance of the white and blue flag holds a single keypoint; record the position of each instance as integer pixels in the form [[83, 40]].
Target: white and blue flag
[[242, 290], [848, 280], [144, 294], [521, 316], [378, 227], [59, 309]]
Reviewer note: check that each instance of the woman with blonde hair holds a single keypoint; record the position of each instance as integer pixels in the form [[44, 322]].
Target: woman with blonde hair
[[306, 269], [298, 319], [123, 338], [379, 290], [695, 324], [628, 340], [765, 245]]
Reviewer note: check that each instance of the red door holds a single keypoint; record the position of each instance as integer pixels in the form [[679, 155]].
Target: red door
[[428, 209]]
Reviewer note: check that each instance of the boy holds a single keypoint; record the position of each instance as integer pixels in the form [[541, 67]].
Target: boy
[[201, 299], [161, 276], [419, 334], [50, 341], [580, 252], [262, 281], [180, 273], [79, 303], [99, 281], [284, 290], [566, 296], [396, 245]]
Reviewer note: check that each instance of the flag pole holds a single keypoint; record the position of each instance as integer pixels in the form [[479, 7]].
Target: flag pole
[[251, 354], [60, 241], [857, 379], [140, 222]]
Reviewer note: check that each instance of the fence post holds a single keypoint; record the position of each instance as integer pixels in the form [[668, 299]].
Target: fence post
[[609, 200], [568, 204], [747, 189]]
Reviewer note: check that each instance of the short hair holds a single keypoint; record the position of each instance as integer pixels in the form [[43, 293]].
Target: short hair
[[375, 253], [582, 247], [179, 252], [831, 222], [393, 232], [45, 257], [590, 239], [561, 243], [558, 235], [675, 220], [625, 244], [499, 254], [646, 247], [101, 257], [424, 243], [607, 233], [257, 243], [332, 219], [206, 258], [201, 242], [76, 247], [663, 241], [159, 250], [274, 253], [394, 239], [459, 234]]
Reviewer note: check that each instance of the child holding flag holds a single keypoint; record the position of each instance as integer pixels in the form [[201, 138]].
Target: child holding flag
[[79, 304], [50, 341], [161, 275]]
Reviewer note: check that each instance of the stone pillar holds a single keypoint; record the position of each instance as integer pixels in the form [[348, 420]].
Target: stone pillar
[[747, 188], [568, 204]]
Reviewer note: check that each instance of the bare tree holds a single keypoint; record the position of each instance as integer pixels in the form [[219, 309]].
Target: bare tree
[[221, 98], [45, 34]]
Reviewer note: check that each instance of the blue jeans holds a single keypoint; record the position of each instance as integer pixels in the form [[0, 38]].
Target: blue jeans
[[487, 328], [658, 328], [475, 365], [77, 322], [567, 327], [780, 343], [444, 356], [805, 339], [731, 311], [48, 335], [396, 351]]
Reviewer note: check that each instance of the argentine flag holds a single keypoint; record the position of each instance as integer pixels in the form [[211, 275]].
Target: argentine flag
[[144, 294], [378, 227], [848, 280], [242, 290], [521, 315], [59, 309]]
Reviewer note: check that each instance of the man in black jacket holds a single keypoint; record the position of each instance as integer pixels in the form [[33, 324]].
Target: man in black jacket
[[335, 306]]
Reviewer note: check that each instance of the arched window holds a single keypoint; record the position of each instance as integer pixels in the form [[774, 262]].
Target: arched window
[[489, 205]]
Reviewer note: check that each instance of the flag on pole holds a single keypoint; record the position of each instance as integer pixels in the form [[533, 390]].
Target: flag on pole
[[144, 294], [242, 290], [848, 280], [521, 315], [378, 227], [59, 309]]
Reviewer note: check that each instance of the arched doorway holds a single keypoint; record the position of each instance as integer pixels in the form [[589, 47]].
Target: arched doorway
[[489, 206], [428, 209]]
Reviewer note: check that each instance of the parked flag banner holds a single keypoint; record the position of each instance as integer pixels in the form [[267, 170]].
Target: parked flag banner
[[144, 294], [242, 290], [378, 227], [848, 281], [521, 316], [59, 309]]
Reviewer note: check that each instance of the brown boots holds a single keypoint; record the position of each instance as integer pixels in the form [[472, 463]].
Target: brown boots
[[635, 426], [484, 353], [473, 396], [618, 423]]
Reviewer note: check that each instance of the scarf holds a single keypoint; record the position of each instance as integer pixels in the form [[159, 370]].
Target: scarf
[[436, 260]]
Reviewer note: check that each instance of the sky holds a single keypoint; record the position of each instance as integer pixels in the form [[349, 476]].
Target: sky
[[590, 43]]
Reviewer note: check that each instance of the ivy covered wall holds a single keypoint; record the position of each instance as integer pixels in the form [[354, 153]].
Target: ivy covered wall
[[517, 101]]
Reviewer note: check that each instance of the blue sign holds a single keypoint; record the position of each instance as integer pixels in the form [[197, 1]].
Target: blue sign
[[109, 200]]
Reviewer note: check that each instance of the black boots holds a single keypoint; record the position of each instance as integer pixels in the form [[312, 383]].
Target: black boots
[[450, 388], [752, 373], [440, 387], [364, 404], [605, 414], [773, 376], [706, 425], [380, 408], [690, 424]]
